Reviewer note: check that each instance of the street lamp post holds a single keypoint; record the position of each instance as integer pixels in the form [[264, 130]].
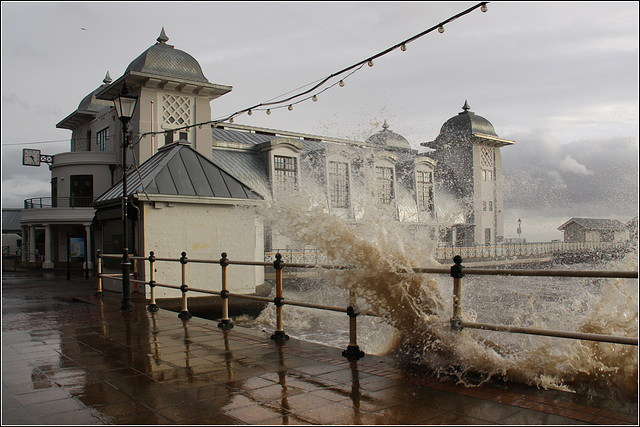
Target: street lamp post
[[125, 104]]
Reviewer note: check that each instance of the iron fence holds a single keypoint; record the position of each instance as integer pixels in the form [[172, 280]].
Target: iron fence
[[457, 272]]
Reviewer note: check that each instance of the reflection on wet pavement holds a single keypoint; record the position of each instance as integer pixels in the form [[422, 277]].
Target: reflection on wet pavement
[[71, 358]]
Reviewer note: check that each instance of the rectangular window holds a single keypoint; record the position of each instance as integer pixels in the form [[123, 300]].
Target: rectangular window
[[101, 139], [339, 184], [88, 141], [384, 177], [487, 175], [425, 190], [54, 192], [484, 205], [286, 173], [81, 191], [487, 236], [490, 206], [168, 137]]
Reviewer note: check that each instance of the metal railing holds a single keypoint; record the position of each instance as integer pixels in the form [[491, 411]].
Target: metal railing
[[58, 202], [495, 252], [353, 350]]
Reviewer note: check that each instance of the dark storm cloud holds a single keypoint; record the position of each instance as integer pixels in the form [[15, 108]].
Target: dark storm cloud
[[597, 177]]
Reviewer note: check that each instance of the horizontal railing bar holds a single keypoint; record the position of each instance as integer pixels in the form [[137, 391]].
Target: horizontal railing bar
[[549, 333], [252, 297], [204, 291], [432, 270], [553, 273], [311, 305], [258, 263], [110, 256], [164, 285], [203, 261], [548, 273], [325, 266]]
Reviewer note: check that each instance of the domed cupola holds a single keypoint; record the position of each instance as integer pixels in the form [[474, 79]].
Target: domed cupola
[[163, 60], [91, 103], [389, 139], [468, 123], [87, 109], [466, 127]]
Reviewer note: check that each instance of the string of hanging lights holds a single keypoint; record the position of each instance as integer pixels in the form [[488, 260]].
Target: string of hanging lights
[[317, 88]]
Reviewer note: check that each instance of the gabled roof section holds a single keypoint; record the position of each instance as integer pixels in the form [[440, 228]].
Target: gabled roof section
[[179, 170], [595, 224]]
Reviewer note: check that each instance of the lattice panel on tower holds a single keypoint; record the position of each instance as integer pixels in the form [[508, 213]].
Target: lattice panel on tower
[[486, 157], [176, 110]]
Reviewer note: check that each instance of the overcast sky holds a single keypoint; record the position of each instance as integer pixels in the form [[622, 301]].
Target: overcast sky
[[560, 79]]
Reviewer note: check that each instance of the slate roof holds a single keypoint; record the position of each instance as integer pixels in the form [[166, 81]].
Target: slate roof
[[253, 139], [164, 60], [595, 224], [11, 220], [245, 166], [177, 169]]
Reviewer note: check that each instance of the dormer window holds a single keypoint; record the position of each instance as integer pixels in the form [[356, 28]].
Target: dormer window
[[384, 179], [424, 193], [339, 184], [285, 172]]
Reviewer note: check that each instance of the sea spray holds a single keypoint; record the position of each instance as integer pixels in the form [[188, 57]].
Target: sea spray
[[382, 253]]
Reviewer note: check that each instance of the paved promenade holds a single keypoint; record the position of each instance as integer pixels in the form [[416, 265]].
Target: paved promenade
[[69, 357]]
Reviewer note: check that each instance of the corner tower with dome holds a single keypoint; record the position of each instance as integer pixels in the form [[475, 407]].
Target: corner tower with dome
[[173, 93], [470, 167]]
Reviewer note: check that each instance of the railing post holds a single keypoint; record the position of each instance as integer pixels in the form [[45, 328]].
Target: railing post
[[184, 314], [153, 307], [279, 333], [99, 258], [456, 273], [136, 290], [225, 323], [353, 350]]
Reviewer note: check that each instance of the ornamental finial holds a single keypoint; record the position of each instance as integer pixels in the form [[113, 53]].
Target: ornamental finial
[[162, 38]]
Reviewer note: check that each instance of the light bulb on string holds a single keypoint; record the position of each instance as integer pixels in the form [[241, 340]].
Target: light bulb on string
[[403, 47], [249, 112], [231, 120], [341, 83], [314, 98], [269, 111], [441, 29], [370, 63], [484, 8], [290, 107]]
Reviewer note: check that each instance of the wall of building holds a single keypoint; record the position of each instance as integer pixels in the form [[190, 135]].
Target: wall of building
[[160, 109], [204, 232]]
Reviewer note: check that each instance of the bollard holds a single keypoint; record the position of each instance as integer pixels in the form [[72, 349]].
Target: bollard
[[184, 314], [456, 273], [279, 333], [353, 350], [225, 323], [99, 293], [153, 307]]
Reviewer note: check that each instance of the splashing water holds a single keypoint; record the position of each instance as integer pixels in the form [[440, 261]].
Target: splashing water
[[383, 253]]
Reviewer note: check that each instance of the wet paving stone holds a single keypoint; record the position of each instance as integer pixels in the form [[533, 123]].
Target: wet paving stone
[[66, 362]]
